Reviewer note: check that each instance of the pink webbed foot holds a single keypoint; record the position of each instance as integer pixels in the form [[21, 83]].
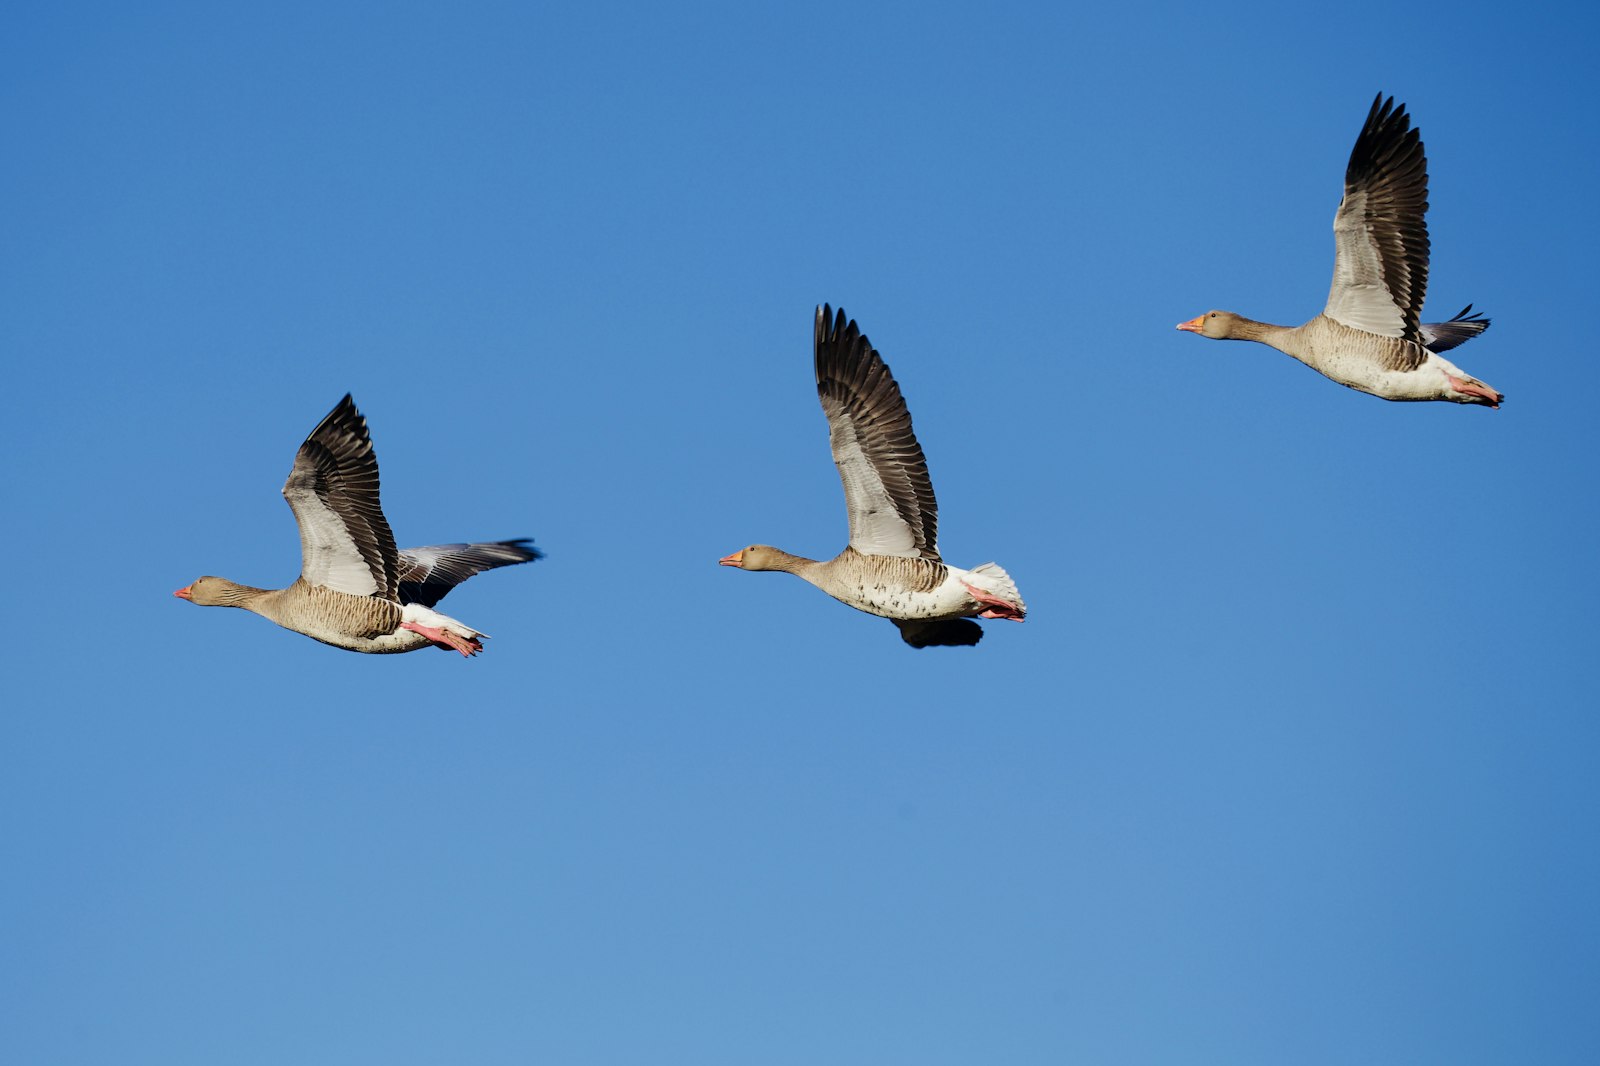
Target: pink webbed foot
[[1474, 388], [997, 608], [445, 639]]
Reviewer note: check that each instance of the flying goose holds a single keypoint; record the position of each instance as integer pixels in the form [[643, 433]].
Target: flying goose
[[1370, 336], [891, 566], [356, 590]]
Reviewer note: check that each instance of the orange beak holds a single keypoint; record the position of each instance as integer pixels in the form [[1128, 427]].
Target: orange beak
[[1193, 325], [184, 593], [736, 559]]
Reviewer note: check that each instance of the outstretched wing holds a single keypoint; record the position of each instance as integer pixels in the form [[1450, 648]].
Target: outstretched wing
[[886, 485], [426, 574], [1380, 267], [345, 542]]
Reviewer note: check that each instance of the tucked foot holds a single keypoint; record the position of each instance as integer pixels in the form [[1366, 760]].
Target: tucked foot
[[1474, 388], [444, 638], [997, 608]]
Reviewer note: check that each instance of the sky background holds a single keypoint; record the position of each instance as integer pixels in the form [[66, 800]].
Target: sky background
[[1295, 759]]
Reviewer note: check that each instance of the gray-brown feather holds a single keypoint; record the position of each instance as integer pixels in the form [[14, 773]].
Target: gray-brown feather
[[913, 575], [1333, 347], [319, 612]]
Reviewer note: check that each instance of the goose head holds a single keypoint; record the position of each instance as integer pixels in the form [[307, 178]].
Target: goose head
[[1218, 325], [211, 592], [760, 557]]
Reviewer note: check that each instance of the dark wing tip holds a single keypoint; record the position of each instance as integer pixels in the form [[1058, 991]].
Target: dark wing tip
[[1387, 122], [823, 326], [345, 418], [837, 337], [1442, 336], [1384, 110], [1386, 138], [522, 546], [829, 324], [345, 408], [1385, 113]]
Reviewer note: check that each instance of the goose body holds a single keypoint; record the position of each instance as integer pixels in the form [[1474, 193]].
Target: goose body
[[1370, 336], [356, 590], [891, 567]]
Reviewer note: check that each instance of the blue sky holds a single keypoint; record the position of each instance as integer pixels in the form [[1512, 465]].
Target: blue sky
[[1293, 761]]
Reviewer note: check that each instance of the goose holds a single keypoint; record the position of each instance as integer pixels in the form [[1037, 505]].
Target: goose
[[356, 590], [891, 567], [1370, 337]]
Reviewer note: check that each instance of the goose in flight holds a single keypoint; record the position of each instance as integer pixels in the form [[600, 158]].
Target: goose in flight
[[891, 567], [356, 590], [1370, 337]]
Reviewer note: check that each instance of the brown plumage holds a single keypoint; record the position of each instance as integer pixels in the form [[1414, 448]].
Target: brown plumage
[[891, 567], [1370, 336], [356, 590]]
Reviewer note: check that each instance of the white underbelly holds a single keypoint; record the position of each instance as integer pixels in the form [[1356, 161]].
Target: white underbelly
[[887, 600]]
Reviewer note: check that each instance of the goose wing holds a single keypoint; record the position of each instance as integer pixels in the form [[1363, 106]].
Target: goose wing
[[345, 542], [886, 485], [426, 574], [1380, 268], [1442, 336]]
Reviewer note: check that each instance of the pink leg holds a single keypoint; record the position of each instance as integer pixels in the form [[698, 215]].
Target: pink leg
[[1473, 388], [444, 638], [998, 608]]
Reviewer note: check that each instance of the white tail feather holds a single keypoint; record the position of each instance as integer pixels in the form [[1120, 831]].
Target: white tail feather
[[415, 612], [994, 580]]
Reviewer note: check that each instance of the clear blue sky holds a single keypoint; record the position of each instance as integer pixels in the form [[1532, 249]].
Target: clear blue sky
[[1295, 759]]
